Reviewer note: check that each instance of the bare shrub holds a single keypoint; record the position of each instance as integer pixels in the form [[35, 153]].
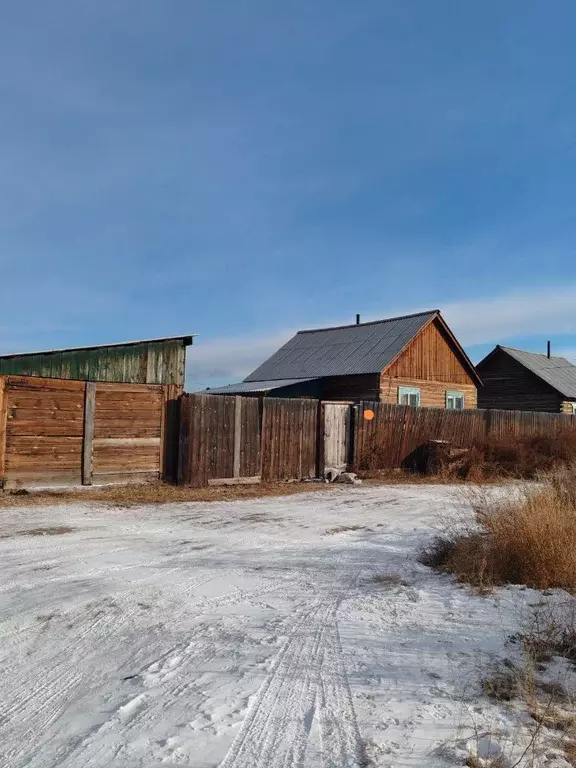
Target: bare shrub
[[529, 539], [552, 632]]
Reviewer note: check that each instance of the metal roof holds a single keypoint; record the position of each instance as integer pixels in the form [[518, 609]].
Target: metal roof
[[556, 371], [187, 341], [344, 350], [244, 387]]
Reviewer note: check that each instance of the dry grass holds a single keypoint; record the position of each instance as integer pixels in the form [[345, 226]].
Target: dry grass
[[527, 540], [504, 682], [479, 762], [139, 495], [570, 752], [409, 477]]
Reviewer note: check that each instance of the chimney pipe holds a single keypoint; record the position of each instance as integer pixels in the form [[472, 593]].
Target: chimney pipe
[[548, 350], [357, 319]]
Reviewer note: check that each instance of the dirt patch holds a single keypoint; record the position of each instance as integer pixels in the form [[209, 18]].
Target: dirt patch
[[344, 529], [139, 495], [389, 580], [56, 530]]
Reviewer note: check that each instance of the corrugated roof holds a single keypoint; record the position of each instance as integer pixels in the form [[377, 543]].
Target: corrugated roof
[[244, 387], [342, 351], [556, 371]]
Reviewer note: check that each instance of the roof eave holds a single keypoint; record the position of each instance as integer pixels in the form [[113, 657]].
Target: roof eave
[[186, 342]]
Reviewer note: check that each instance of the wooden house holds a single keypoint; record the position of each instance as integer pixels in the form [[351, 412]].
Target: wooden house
[[527, 381], [412, 360]]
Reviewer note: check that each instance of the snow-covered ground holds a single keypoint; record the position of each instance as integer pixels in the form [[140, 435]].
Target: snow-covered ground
[[246, 635]]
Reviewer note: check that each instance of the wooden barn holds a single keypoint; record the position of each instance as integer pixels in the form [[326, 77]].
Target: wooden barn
[[91, 414], [527, 381], [411, 360]]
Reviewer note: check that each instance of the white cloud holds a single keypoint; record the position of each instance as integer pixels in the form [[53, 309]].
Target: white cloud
[[495, 319], [230, 359], [489, 320]]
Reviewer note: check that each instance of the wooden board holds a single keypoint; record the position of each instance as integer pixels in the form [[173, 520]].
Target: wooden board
[[433, 356], [289, 439], [68, 431]]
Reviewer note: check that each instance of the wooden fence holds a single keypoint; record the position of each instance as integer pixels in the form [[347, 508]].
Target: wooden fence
[[239, 439], [289, 439], [56, 431], [243, 439], [391, 433], [219, 439]]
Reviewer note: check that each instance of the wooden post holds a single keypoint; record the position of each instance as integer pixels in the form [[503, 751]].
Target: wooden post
[[88, 442], [320, 437], [237, 435], [3, 422]]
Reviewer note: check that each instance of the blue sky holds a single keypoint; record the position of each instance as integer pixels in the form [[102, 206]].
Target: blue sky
[[244, 169]]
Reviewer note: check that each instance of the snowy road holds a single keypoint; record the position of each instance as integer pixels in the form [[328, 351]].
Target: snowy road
[[242, 634]]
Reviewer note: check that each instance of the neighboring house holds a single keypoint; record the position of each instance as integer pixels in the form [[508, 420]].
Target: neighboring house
[[413, 360], [527, 381]]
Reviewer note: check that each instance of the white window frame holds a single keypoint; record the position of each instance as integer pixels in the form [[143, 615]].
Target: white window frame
[[411, 393], [453, 395]]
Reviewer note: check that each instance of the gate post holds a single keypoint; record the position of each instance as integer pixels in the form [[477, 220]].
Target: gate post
[[237, 435]]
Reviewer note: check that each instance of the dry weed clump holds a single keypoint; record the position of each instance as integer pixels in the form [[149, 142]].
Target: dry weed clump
[[529, 539]]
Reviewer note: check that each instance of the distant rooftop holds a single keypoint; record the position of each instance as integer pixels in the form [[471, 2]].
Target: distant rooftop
[[556, 371]]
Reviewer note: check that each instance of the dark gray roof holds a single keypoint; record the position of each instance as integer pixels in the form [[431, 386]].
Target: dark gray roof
[[244, 387], [342, 351], [556, 371]]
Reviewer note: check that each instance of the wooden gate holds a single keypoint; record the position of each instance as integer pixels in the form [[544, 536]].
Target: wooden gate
[[336, 435]]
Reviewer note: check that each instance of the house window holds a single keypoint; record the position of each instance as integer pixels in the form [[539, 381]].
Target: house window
[[455, 401], [409, 396]]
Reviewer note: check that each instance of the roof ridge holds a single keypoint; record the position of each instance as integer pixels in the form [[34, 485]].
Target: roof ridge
[[539, 354], [371, 322]]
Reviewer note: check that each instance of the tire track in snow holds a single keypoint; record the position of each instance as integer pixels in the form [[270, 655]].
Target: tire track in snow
[[340, 740], [307, 680]]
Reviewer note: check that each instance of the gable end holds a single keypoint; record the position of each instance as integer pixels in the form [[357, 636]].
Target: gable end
[[433, 355]]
